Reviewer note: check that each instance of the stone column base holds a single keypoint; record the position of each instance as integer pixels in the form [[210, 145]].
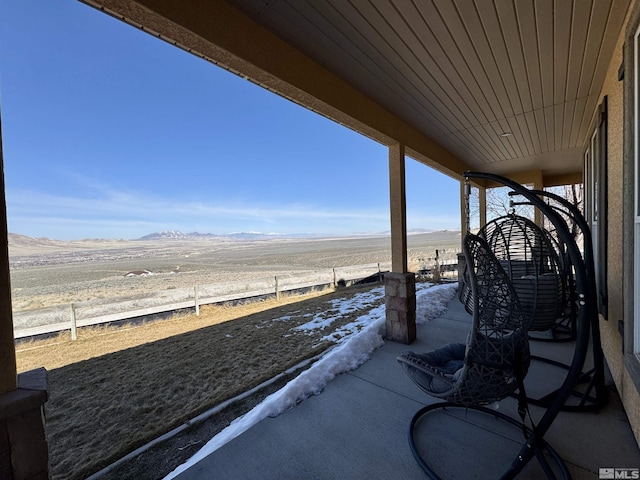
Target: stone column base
[[23, 445], [400, 302]]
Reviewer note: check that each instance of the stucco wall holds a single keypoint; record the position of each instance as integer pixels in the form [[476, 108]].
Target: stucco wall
[[613, 89], [618, 238]]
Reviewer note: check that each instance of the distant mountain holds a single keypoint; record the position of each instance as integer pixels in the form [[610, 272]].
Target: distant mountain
[[167, 235], [175, 235], [23, 245], [17, 240], [256, 235]]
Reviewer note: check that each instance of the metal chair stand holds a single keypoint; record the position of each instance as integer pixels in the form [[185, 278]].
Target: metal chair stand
[[595, 395], [592, 397], [494, 443]]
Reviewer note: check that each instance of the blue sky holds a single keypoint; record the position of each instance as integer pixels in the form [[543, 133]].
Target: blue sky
[[109, 132]]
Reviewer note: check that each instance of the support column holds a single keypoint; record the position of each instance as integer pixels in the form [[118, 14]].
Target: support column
[[8, 372], [400, 303], [23, 446], [464, 212], [538, 184], [482, 200], [398, 202], [465, 224], [464, 217], [400, 284]]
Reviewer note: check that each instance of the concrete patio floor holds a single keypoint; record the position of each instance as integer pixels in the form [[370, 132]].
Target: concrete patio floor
[[357, 428]]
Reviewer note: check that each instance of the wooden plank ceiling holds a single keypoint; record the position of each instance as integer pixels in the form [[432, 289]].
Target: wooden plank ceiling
[[504, 85]]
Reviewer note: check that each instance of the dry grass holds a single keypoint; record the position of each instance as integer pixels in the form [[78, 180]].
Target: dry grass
[[114, 390], [95, 341]]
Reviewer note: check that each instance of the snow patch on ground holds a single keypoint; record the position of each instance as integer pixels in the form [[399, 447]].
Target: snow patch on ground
[[356, 342], [432, 302]]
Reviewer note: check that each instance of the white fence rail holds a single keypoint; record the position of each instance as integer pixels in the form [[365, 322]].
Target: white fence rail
[[42, 321]]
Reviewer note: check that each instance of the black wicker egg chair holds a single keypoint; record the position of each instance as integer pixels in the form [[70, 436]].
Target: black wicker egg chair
[[564, 329], [570, 395], [593, 393], [532, 262], [491, 366]]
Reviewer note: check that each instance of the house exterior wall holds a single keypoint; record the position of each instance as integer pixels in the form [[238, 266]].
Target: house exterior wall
[[613, 89], [620, 242]]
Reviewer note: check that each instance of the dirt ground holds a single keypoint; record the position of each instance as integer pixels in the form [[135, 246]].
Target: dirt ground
[[115, 390], [161, 459]]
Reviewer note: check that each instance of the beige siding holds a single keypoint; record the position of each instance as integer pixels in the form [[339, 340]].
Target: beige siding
[[611, 338]]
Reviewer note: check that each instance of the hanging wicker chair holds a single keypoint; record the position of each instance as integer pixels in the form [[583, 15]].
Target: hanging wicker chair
[[579, 300], [496, 357], [531, 260], [491, 366]]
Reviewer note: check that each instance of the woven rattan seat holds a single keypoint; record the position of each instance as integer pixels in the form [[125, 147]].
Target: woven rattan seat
[[496, 356]]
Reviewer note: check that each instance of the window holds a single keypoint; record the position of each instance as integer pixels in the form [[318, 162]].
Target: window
[[595, 180], [636, 207]]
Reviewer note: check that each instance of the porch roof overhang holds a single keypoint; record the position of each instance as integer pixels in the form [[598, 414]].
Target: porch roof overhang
[[496, 86]]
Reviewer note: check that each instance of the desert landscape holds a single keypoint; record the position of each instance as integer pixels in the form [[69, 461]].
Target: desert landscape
[[165, 373], [50, 274]]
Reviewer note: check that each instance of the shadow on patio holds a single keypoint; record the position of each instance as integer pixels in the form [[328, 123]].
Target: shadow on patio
[[357, 428]]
